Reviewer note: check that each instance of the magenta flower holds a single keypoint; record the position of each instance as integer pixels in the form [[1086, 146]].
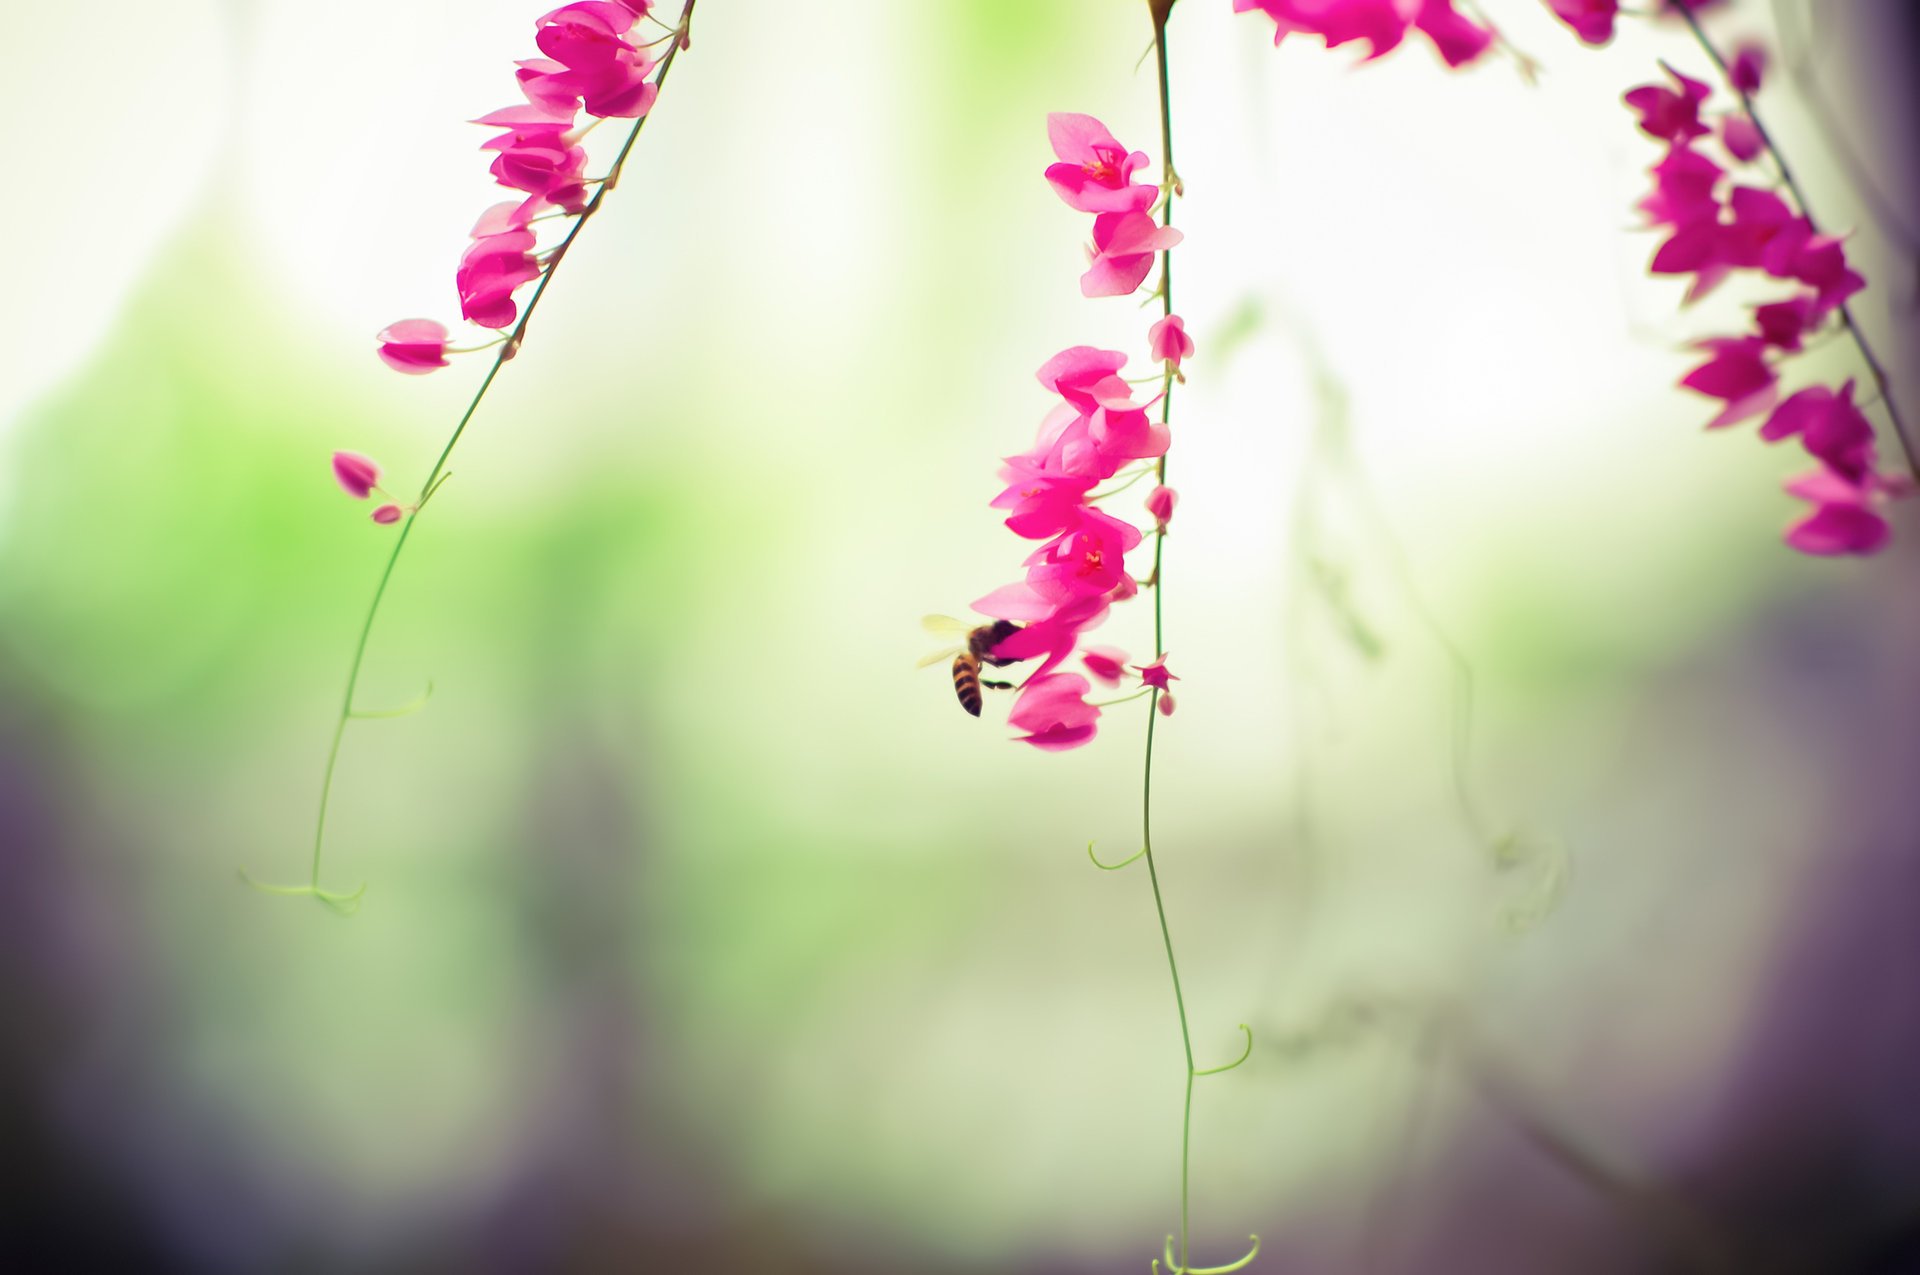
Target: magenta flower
[[1052, 638], [1782, 324], [1672, 115], [356, 474], [1738, 374], [1845, 518], [1044, 502], [1167, 340], [1156, 675], [1108, 664], [1683, 189], [1829, 425], [598, 71], [387, 514], [1160, 503], [1383, 24], [1095, 172], [1123, 249], [1054, 712], [1591, 20], [1087, 561], [492, 267], [1457, 40], [413, 346], [537, 154], [1088, 379]]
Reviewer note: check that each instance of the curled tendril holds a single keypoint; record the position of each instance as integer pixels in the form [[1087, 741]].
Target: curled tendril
[[436, 485], [1546, 860], [344, 904], [413, 705], [1114, 867], [1244, 1055], [1175, 1268]]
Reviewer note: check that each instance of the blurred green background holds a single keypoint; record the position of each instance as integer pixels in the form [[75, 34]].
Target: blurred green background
[[702, 931]]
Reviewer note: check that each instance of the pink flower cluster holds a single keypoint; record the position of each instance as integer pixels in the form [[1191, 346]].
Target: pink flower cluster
[[1096, 429], [1383, 24], [1717, 227], [592, 66]]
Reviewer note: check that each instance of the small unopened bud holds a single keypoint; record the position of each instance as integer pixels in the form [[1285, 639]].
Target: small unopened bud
[[355, 473], [1160, 503]]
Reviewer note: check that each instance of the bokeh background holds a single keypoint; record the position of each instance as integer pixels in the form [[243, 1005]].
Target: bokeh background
[[1552, 827]]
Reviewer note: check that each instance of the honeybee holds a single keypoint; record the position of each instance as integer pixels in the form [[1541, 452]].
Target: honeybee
[[967, 659]]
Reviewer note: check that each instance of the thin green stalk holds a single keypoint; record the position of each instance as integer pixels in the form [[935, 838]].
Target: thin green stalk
[[438, 474], [1867, 355], [1170, 181]]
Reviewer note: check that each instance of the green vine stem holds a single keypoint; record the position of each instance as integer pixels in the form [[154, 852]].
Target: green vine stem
[[1176, 1264], [350, 901]]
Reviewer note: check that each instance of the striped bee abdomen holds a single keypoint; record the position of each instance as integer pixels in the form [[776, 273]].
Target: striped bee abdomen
[[966, 681]]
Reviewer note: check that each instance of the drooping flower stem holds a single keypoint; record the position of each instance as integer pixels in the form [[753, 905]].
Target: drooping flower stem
[[1867, 355], [348, 902], [1170, 183]]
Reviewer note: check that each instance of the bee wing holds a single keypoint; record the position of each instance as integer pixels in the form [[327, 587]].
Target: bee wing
[[946, 626], [939, 657]]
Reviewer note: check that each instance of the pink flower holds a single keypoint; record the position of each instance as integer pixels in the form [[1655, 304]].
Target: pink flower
[[1044, 502], [1670, 115], [1382, 24], [538, 154], [1738, 373], [386, 514], [1168, 341], [1095, 172], [1156, 675], [1051, 637], [1054, 712], [1782, 324], [1591, 20], [492, 267], [1160, 503], [1457, 40], [1829, 425], [356, 474], [1123, 247], [1087, 561], [1108, 664], [600, 71], [1683, 191], [1845, 517], [413, 346], [1088, 379]]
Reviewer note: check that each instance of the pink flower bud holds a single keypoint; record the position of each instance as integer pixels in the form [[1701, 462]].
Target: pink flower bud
[[355, 473], [1747, 68], [387, 514], [1166, 704], [1741, 136], [1160, 503], [414, 346], [1168, 341], [1106, 663]]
